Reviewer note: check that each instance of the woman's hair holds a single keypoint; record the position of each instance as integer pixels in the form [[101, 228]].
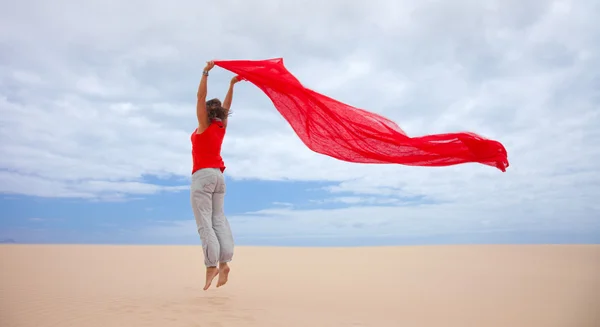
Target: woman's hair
[[216, 110]]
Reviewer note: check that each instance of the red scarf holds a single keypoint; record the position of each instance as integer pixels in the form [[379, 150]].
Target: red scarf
[[338, 130]]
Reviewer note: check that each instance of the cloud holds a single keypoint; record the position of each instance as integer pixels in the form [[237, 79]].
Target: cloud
[[360, 220], [96, 98]]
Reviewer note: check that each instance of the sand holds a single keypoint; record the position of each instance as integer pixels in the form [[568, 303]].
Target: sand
[[480, 286]]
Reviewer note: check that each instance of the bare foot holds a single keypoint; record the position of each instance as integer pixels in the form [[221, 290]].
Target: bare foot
[[224, 268], [211, 273]]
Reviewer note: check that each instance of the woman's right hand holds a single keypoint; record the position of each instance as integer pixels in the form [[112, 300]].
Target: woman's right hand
[[209, 65]]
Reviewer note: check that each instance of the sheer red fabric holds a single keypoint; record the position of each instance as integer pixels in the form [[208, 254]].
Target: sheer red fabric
[[338, 130]]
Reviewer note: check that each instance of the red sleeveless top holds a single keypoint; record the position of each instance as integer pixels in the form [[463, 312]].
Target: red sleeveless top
[[206, 147]]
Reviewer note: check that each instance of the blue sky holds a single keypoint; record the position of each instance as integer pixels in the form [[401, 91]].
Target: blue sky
[[167, 219], [95, 119]]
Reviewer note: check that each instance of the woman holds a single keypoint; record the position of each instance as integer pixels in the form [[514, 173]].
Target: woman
[[208, 185]]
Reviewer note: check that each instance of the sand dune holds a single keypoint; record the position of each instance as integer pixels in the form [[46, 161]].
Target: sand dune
[[446, 286]]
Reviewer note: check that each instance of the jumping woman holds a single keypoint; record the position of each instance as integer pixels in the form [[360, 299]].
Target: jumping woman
[[208, 185]]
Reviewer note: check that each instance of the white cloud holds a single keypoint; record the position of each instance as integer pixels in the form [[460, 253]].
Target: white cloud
[[96, 96], [414, 221]]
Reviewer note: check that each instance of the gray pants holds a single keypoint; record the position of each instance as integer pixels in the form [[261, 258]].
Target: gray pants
[[207, 197]]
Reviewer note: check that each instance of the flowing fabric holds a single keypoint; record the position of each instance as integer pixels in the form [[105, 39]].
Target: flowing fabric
[[338, 130]]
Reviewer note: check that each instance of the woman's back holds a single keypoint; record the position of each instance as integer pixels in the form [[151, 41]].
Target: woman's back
[[206, 147]]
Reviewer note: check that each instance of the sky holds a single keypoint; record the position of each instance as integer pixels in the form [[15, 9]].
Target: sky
[[97, 104]]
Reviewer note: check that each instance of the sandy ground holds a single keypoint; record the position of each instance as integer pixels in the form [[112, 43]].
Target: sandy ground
[[479, 286]]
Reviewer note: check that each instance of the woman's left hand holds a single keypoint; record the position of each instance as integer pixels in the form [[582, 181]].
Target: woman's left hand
[[209, 65]]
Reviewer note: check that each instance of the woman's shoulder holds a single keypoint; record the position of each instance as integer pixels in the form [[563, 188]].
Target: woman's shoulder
[[214, 125]]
